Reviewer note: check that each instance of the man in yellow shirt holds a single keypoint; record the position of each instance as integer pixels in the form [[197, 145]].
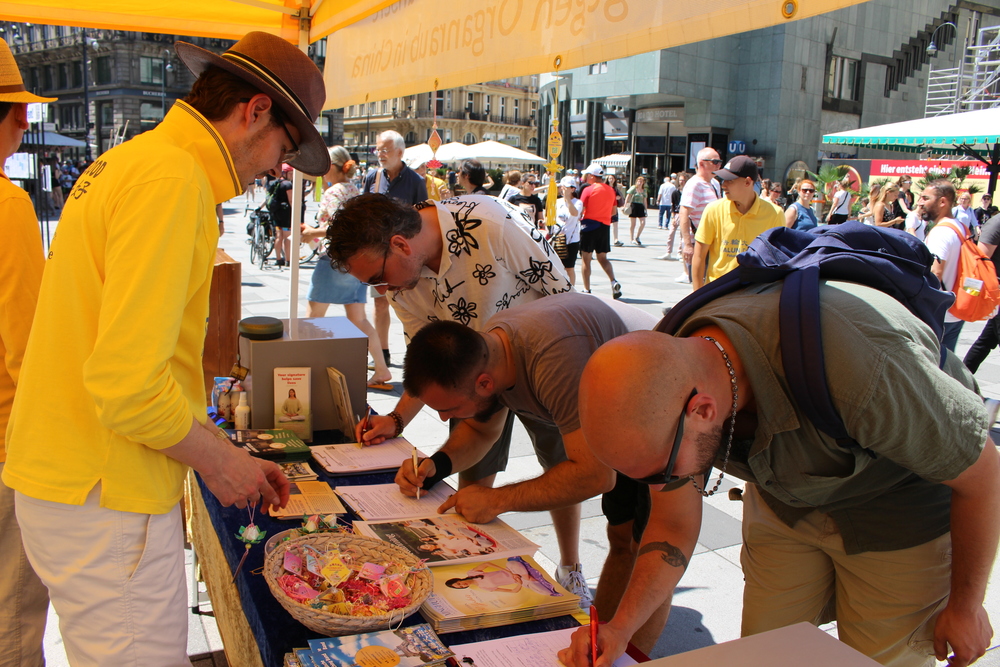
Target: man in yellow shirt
[[118, 338], [729, 225], [434, 184], [24, 602]]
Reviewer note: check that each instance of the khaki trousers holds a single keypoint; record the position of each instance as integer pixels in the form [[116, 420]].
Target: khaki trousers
[[116, 580], [885, 603], [24, 600]]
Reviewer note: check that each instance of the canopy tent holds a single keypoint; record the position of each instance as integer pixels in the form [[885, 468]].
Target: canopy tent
[[383, 48], [968, 133], [450, 152], [494, 151], [51, 139]]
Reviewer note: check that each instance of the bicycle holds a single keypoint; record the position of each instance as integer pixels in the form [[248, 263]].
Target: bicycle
[[261, 231]]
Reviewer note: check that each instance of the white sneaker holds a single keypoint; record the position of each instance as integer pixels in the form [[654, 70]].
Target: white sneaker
[[616, 289], [683, 279], [571, 578], [992, 407]]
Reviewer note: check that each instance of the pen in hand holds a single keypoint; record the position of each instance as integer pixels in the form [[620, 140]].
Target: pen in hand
[[366, 426], [416, 464]]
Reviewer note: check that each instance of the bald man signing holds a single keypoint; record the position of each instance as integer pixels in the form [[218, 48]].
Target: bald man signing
[[893, 537]]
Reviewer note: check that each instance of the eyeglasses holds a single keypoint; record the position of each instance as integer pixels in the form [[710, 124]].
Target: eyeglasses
[[807, 190], [713, 161], [667, 475], [379, 280], [384, 151], [778, 190], [279, 119]]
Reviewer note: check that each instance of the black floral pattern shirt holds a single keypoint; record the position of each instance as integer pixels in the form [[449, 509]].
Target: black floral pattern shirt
[[492, 258]]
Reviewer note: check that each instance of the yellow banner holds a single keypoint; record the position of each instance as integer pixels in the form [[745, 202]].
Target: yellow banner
[[401, 49]]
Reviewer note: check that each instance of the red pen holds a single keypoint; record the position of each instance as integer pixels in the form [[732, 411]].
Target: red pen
[[593, 635]]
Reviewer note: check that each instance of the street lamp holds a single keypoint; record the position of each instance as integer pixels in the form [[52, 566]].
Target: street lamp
[[85, 41], [167, 67], [932, 47]]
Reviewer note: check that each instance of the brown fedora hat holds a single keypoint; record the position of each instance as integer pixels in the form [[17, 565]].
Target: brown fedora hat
[[283, 73], [11, 84]]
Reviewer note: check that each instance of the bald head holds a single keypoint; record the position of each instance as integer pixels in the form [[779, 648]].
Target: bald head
[[632, 392]]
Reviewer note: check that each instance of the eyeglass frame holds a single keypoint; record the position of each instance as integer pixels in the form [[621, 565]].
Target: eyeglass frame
[[813, 190], [712, 160], [381, 275], [666, 476]]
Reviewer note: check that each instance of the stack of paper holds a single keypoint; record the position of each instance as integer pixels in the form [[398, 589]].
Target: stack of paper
[[442, 539], [496, 592], [537, 650], [352, 458], [297, 471], [308, 498], [384, 502], [413, 646]]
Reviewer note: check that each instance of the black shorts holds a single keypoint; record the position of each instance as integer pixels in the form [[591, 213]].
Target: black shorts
[[598, 240], [624, 502], [545, 440], [572, 250], [836, 219], [637, 211]]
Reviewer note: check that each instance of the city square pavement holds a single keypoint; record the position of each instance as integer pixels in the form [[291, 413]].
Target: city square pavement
[[707, 605]]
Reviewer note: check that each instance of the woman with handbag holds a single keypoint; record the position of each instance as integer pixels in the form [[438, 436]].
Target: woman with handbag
[[568, 215]]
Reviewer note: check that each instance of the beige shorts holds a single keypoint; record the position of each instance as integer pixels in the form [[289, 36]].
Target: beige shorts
[[885, 602]]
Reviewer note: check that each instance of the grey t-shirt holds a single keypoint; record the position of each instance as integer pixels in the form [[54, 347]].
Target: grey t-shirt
[[990, 235], [552, 340]]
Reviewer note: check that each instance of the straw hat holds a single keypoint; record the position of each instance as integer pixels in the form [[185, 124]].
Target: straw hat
[[283, 73], [11, 84]]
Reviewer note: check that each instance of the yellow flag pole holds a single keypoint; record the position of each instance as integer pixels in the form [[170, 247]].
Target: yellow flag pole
[[554, 149]]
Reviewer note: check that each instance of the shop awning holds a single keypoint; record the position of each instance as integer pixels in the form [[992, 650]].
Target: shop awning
[[614, 160], [51, 139], [975, 133], [937, 134]]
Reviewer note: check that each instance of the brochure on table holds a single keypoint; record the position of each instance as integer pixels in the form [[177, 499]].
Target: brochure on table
[[351, 458]]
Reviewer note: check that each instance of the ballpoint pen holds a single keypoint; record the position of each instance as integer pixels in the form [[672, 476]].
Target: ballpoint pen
[[416, 464], [593, 635]]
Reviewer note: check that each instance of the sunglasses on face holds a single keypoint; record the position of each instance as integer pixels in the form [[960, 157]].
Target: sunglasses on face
[[713, 161], [666, 476], [807, 190]]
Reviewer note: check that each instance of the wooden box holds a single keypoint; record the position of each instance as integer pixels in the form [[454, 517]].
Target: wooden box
[[224, 313]]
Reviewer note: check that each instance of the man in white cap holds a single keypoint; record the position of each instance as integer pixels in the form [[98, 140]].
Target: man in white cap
[[120, 329], [24, 601], [598, 200]]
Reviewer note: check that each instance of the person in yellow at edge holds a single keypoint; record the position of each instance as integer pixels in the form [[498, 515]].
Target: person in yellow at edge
[[117, 340], [729, 225], [24, 602]]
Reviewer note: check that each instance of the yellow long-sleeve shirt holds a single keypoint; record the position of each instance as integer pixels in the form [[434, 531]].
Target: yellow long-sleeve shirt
[[21, 262], [112, 372]]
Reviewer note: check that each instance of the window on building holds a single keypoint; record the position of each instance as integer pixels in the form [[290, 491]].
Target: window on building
[[513, 140], [439, 107], [33, 78], [410, 138], [468, 102], [385, 106], [371, 108], [470, 138], [489, 104], [149, 114], [47, 78], [77, 69], [599, 68], [102, 75], [63, 76], [503, 107], [70, 116], [534, 110], [842, 78], [533, 143], [150, 71], [447, 100], [517, 110], [107, 114]]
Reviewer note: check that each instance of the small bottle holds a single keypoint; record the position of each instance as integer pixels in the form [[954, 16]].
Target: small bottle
[[243, 413]]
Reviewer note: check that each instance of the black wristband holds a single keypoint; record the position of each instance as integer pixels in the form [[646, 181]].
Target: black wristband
[[442, 469]]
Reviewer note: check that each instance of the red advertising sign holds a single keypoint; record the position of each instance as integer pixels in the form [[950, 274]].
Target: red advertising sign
[[917, 168]]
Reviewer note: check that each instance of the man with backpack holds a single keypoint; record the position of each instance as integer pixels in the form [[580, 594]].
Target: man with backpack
[[873, 492], [892, 536], [948, 240]]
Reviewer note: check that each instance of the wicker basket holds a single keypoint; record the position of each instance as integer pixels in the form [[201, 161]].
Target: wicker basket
[[329, 623]]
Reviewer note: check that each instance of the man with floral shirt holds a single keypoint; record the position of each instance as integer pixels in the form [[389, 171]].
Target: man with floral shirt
[[464, 259]]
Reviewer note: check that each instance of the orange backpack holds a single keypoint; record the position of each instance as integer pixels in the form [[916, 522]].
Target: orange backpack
[[977, 291]]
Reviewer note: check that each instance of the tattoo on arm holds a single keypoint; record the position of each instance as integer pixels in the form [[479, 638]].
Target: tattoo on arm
[[671, 555]]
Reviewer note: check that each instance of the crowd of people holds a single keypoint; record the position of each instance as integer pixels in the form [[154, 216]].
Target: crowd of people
[[892, 531]]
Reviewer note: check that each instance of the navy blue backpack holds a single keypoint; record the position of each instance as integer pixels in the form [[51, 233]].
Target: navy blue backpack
[[889, 260]]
